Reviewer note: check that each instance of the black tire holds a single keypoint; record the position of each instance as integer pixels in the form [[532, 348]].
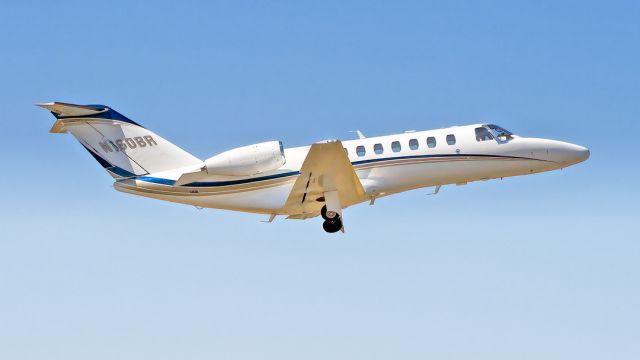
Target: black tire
[[323, 212], [332, 225]]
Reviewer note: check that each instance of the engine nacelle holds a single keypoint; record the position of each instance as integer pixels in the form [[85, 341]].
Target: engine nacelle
[[247, 160]]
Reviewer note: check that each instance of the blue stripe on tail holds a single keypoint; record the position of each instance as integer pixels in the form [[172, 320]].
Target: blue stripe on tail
[[107, 165]]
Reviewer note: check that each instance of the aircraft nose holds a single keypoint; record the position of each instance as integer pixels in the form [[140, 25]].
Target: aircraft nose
[[567, 153]]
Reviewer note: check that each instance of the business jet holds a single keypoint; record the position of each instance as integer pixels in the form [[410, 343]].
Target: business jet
[[305, 182]]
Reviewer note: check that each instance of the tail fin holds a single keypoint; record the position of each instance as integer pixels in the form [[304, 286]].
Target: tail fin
[[123, 147]]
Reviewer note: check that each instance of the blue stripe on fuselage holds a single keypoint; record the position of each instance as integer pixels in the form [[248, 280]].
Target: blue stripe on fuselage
[[162, 181], [169, 182]]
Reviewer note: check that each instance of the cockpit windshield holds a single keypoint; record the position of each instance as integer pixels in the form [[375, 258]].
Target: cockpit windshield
[[500, 133]]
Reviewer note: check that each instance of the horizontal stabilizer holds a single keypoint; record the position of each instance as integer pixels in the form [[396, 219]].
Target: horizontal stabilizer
[[61, 109], [66, 114]]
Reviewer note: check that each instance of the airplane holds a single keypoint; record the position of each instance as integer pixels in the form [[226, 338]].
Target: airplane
[[309, 181]]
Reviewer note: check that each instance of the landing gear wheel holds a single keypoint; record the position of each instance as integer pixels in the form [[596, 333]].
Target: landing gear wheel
[[332, 225]]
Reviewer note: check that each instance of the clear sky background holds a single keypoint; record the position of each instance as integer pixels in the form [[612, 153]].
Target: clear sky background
[[536, 267]]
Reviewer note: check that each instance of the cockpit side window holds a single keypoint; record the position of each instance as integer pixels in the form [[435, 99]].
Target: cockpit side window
[[500, 132], [483, 134]]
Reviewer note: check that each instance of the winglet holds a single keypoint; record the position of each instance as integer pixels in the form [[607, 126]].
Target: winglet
[[359, 133]]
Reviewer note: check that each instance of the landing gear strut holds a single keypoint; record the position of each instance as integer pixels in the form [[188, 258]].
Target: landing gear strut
[[327, 214]]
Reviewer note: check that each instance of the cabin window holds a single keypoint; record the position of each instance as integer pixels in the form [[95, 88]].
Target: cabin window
[[360, 150], [431, 142], [395, 146], [378, 149], [413, 144], [482, 134], [346, 151], [451, 139]]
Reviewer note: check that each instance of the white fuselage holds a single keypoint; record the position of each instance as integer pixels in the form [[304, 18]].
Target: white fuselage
[[383, 169]]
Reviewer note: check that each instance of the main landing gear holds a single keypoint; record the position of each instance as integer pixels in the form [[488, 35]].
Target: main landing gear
[[332, 222]]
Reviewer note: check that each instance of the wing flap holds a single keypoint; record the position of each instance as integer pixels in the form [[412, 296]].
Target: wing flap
[[326, 168]]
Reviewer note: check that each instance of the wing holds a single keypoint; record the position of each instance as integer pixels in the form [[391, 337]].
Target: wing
[[325, 169]]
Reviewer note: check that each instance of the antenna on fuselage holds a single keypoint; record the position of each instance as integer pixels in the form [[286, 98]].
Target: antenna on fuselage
[[436, 191]]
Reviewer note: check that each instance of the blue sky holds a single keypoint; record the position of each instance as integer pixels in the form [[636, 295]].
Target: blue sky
[[543, 266]]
